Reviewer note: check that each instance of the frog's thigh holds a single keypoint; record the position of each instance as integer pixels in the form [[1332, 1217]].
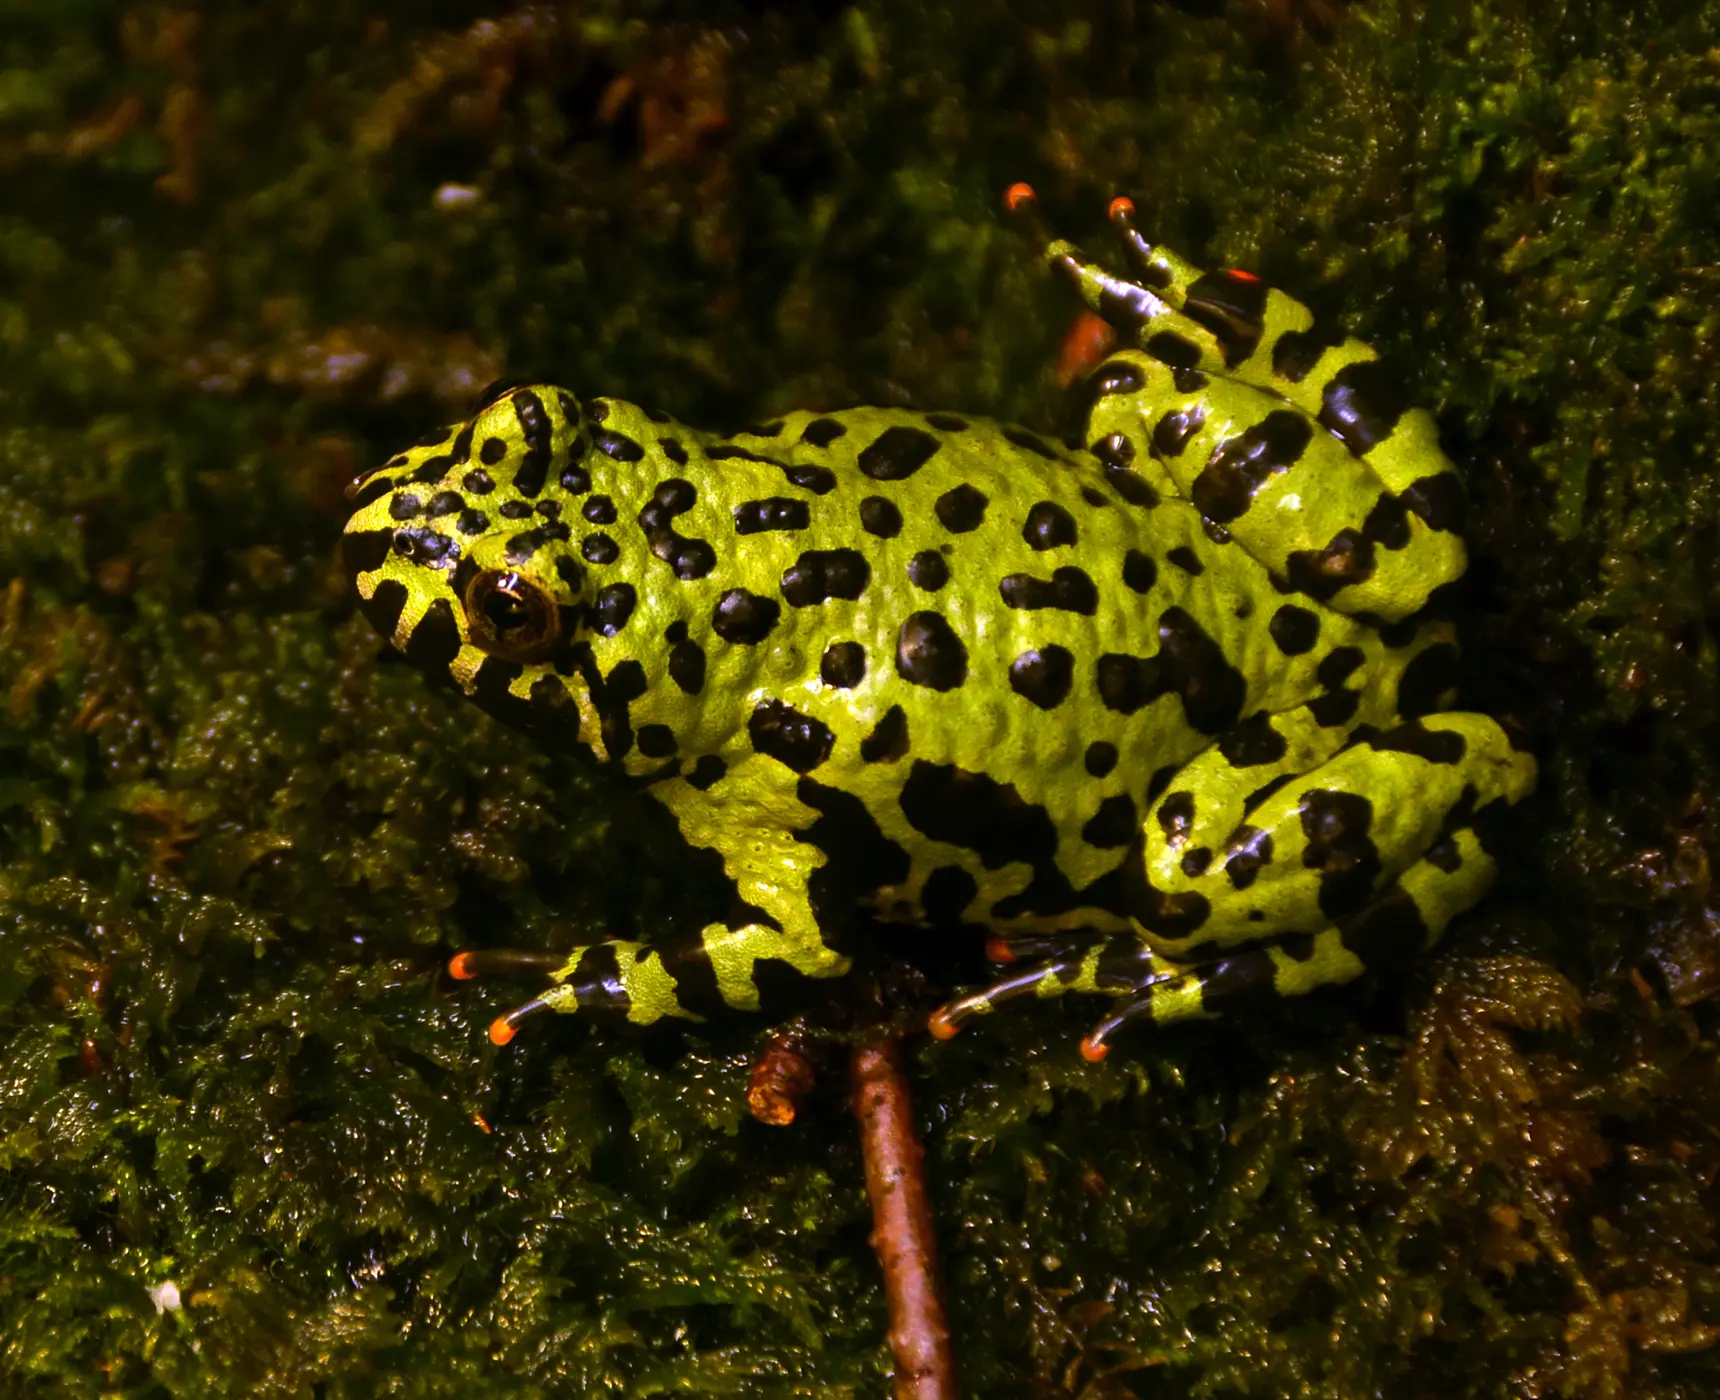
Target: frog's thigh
[[1405, 920], [1317, 849]]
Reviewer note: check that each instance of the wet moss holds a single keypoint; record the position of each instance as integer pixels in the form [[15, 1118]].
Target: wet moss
[[255, 1141]]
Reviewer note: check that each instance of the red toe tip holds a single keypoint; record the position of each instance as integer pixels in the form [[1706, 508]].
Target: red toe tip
[[1017, 195]]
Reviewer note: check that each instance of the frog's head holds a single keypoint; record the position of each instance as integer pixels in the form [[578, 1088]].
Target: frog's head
[[462, 559]]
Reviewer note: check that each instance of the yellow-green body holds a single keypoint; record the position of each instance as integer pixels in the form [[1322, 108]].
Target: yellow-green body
[[1158, 709]]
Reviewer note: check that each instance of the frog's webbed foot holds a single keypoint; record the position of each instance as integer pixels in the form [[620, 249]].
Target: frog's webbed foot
[[1118, 966]]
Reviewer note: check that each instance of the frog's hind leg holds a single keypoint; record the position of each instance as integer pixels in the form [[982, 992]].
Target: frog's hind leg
[[1231, 325], [1407, 919]]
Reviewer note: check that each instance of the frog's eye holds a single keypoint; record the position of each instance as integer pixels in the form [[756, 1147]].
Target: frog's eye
[[511, 617]]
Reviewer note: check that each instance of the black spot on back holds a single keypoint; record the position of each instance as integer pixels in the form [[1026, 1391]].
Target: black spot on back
[[1188, 664], [928, 652], [1048, 526], [928, 570], [843, 665], [1232, 306], [1294, 629], [961, 508], [897, 453], [611, 608], [880, 517], [797, 740], [1044, 675], [1069, 589], [743, 617], [771, 513], [1362, 404], [888, 740], [821, 432], [822, 574]]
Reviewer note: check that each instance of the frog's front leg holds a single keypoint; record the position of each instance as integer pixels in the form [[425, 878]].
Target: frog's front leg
[[1289, 858], [790, 912]]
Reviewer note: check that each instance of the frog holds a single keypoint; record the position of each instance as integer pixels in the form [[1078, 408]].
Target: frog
[[1164, 708]]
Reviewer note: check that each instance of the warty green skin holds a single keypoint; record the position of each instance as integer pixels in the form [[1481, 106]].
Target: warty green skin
[[1159, 711]]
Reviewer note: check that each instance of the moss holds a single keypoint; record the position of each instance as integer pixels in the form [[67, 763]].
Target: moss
[[259, 247]]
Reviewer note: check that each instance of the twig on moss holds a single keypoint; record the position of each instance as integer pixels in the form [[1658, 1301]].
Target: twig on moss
[[902, 1224]]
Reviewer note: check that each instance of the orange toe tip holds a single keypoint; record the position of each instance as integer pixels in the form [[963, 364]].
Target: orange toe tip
[[1122, 207], [501, 1031], [1017, 195], [940, 1026], [1093, 1051], [461, 968], [1241, 275], [999, 951]]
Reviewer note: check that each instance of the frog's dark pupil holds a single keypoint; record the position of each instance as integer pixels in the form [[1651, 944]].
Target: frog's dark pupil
[[505, 611], [511, 616]]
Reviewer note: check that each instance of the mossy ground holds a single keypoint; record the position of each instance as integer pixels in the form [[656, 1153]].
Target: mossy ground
[[248, 250]]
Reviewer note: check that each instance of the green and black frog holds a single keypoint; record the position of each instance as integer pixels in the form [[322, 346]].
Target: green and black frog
[[1164, 710]]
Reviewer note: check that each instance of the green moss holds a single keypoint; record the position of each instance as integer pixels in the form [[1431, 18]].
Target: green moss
[[256, 248]]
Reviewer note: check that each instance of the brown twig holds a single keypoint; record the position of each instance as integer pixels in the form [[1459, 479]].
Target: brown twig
[[902, 1224]]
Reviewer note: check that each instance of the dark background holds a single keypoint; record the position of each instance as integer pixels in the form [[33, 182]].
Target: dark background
[[248, 250]]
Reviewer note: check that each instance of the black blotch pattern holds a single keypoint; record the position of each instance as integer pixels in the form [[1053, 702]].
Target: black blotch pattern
[[672, 449], [771, 513], [1139, 571], [611, 608], [1069, 588], [405, 506], [1241, 465], [1232, 306], [1253, 742], [1188, 664], [818, 480], [1250, 851], [1172, 349], [687, 558], [961, 508], [599, 510], [821, 432], [610, 697], [443, 503], [472, 522], [1117, 377], [796, 740], [992, 819], [656, 740], [1294, 630], [707, 772], [821, 574], [426, 547], [843, 665], [1362, 404], [880, 517], [1388, 935], [1031, 442], [928, 570], [1321, 573], [1186, 560], [888, 740], [538, 433], [687, 665], [897, 453], [1337, 707], [1338, 665], [493, 450], [383, 608], [743, 617], [617, 445], [859, 858], [947, 422], [364, 550], [372, 490], [1434, 745], [1297, 352], [1427, 680], [1387, 524], [599, 549], [1176, 817], [1171, 433], [435, 640], [1115, 824], [1437, 499], [1195, 862], [1048, 526], [515, 510], [1444, 855], [1237, 979], [928, 652], [1101, 758], [1335, 828], [575, 480], [1043, 675], [948, 891]]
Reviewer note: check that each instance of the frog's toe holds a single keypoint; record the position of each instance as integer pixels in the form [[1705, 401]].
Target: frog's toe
[[488, 962], [1049, 977]]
